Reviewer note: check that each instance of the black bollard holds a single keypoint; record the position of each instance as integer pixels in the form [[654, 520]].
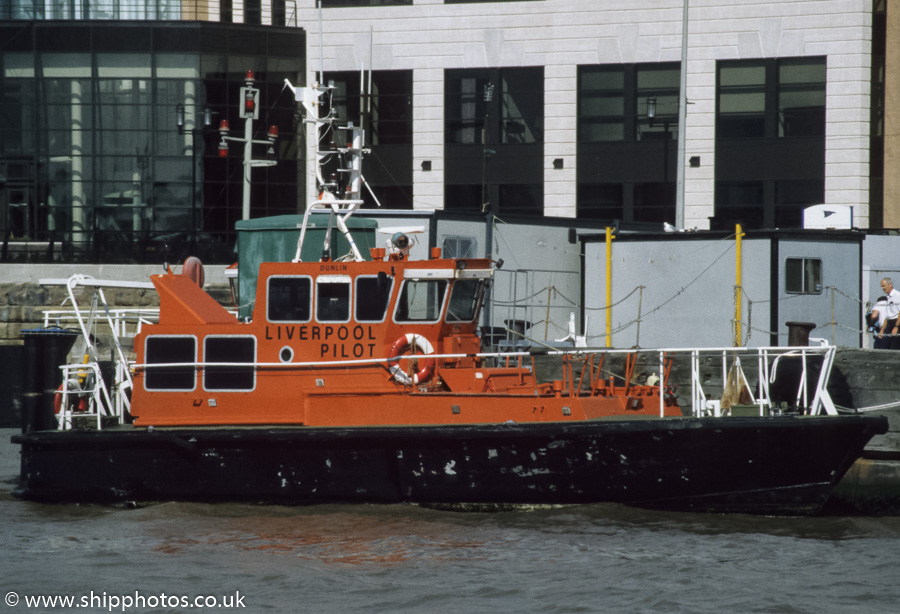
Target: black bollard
[[798, 333], [785, 389], [45, 350]]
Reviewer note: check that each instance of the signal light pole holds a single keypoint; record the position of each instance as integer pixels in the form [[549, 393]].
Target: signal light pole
[[249, 106]]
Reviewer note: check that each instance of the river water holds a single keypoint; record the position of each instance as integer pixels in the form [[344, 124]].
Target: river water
[[399, 558]]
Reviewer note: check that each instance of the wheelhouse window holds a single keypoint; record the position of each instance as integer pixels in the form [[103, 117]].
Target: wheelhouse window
[[333, 298], [289, 299], [229, 350], [465, 296], [421, 300], [373, 293], [167, 350], [803, 276]]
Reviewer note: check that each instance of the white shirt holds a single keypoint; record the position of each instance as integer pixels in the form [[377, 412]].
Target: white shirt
[[893, 304]]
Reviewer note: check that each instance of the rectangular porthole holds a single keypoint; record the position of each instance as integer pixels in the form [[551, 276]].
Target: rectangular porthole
[[167, 350], [229, 350]]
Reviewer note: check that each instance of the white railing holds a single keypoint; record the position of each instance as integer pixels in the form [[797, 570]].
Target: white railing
[[125, 323], [703, 401], [84, 395]]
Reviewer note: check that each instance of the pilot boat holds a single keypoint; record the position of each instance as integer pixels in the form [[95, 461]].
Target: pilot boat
[[363, 379]]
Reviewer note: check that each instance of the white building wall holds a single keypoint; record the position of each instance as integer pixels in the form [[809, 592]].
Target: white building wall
[[429, 36]]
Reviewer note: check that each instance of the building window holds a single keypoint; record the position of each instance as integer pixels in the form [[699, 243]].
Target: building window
[[229, 350], [500, 105], [476, 1], [803, 276], [326, 4], [387, 116], [627, 141], [253, 12], [801, 97], [494, 134], [742, 100], [600, 201], [124, 123], [770, 141], [601, 104]]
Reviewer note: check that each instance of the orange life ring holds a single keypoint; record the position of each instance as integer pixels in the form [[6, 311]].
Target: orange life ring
[[57, 401], [403, 345]]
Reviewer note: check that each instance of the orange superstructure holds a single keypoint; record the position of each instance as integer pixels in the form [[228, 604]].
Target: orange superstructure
[[391, 341]]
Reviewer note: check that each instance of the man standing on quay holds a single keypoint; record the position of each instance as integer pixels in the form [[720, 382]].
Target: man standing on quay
[[890, 326]]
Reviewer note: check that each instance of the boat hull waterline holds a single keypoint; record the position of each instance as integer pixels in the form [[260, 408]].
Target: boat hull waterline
[[773, 465]]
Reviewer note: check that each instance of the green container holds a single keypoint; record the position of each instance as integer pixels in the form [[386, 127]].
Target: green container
[[274, 239]]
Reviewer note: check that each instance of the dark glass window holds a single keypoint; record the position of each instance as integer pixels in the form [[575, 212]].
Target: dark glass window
[[507, 102], [289, 299], [372, 297], [601, 104], [339, 3], [161, 350], [230, 350], [742, 100], [465, 297], [386, 115], [119, 181], [333, 299], [467, 197], [253, 12], [521, 199], [421, 300], [600, 201], [654, 202], [657, 94], [801, 97], [803, 275], [739, 202], [783, 98], [627, 135], [770, 141]]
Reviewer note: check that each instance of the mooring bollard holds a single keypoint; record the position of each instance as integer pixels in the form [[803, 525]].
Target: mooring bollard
[[45, 350]]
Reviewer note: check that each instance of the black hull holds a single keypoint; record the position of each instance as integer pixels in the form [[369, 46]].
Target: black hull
[[783, 465]]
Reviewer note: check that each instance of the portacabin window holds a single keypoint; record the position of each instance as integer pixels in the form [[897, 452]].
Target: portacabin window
[[233, 350], [459, 247], [803, 275]]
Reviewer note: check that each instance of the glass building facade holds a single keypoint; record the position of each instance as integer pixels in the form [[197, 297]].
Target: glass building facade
[[109, 136]]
